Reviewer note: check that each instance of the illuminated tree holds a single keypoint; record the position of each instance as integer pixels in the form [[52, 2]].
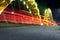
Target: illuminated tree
[[48, 14], [32, 6], [4, 4]]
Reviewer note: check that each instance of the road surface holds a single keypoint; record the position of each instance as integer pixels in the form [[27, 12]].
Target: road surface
[[30, 32]]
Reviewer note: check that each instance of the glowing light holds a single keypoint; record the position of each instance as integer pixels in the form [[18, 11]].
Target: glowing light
[[30, 12], [28, 0], [11, 0], [27, 7], [41, 24], [12, 12], [21, 0], [2, 1], [48, 14], [4, 4], [33, 7], [24, 3]]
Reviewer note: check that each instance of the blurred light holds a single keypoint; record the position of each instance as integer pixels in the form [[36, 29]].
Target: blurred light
[[4, 4], [27, 6], [24, 2], [28, 0], [30, 11], [12, 12], [2, 1], [33, 7], [21, 0], [41, 24]]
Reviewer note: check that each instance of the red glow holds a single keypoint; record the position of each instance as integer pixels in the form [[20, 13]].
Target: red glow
[[23, 17]]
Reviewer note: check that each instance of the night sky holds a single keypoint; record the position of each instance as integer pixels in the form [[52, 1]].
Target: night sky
[[53, 4], [42, 4]]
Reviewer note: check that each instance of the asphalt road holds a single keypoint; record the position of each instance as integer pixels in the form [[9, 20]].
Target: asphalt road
[[30, 33]]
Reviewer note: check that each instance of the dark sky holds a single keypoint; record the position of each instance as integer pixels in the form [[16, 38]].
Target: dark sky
[[54, 5], [50, 3]]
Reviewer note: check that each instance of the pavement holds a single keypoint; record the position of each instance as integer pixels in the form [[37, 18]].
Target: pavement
[[30, 32]]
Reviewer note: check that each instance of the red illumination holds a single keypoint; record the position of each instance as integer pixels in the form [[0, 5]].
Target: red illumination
[[23, 17]]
